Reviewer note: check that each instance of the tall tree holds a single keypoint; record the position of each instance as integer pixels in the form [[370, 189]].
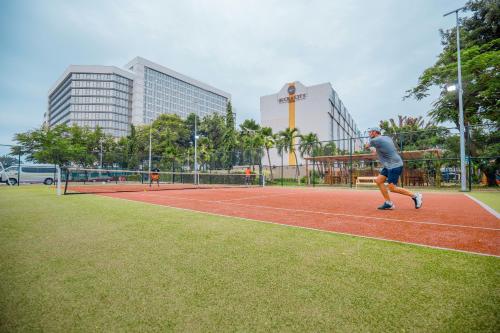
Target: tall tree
[[170, 137], [43, 145], [251, 141], [213, 127], [269, 141], [288, 137], [480, 59], [480, 56], [414, 133], [230, 139], [7, 160]]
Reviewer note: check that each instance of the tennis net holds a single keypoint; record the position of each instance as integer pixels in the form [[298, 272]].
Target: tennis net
[[80, 180]]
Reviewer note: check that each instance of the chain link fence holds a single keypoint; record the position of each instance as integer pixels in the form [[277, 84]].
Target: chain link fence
[[431, 159]]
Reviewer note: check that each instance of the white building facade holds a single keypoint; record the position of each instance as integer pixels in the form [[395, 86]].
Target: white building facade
[[159, 90], [113, 98], [317, 109], [93, 96]]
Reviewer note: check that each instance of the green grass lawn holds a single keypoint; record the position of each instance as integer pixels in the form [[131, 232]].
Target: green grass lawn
[[89, 263], [492, 199]]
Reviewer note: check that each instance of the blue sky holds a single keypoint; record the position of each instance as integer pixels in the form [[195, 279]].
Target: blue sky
[[371, 51]]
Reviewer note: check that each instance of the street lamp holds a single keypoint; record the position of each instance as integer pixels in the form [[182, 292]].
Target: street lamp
[[451, 88], [150, 141], [100, 155], [195, 148], [196, 137], [463, 179]]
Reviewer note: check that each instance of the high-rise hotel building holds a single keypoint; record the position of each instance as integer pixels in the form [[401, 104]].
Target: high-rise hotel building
[[317, 109], [112, 98]]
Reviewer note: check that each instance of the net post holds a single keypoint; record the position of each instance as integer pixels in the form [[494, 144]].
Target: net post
[[313, 176], [281, 168], [467, 129], [19, 168], [350, 162], [401, 139], [67, 180], [58, 170]]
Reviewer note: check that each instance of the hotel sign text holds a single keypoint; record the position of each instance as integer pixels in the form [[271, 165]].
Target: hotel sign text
[[293, 98]]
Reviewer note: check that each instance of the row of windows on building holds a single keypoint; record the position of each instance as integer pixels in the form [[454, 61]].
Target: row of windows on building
[[199, 98], [124, 109], [102, 100], [178, 102], [102, 124], [155, 90], [177, 109], [340, 116], [102, 77], [335, 99], [100, 108], [102, 84], [60, 95], [100, 92], [152, 114], [60, 103], [61, 98], [100, 116], [162, 83], [62, 118]]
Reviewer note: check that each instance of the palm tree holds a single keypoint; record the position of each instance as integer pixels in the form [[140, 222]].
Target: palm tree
[[280, 147], [269, 142], [288, 137], [308, 143], [252, 140]]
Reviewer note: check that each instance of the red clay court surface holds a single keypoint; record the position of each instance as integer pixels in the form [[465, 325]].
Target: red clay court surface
[[446, 220]]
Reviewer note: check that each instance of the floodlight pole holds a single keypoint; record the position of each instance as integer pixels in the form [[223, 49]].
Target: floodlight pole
[[196, 148], [100, 155], [463, 173]]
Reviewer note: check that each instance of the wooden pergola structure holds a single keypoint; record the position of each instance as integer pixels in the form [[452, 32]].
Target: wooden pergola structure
[[338, 169]]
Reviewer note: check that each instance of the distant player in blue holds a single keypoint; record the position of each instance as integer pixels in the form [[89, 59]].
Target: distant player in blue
[[392, 168]]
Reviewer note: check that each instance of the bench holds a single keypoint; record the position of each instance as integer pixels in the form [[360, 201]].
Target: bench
[[366, 181]]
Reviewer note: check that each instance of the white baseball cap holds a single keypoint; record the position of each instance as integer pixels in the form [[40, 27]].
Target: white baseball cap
[[374, 129]]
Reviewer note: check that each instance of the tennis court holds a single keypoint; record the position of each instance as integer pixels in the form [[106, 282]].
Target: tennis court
[[447, 220]]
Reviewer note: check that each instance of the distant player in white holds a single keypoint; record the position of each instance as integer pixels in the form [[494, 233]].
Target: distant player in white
[[392, 168]]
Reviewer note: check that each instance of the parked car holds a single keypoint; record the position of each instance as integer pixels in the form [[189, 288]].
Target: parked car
[[450, 176], [36, 173]]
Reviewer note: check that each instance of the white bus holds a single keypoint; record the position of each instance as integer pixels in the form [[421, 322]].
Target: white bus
[[30, 173]]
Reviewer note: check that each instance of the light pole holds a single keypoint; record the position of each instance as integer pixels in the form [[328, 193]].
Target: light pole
[[196, 149], [196, 180], [100, 155], [150, 141], [463, 178]]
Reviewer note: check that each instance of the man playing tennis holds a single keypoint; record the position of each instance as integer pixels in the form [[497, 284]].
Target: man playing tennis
[[392, 164]]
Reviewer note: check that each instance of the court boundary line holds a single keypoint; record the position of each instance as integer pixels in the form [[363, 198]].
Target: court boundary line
[[311, 229], [483, 205], [339, 214], [255, 197]]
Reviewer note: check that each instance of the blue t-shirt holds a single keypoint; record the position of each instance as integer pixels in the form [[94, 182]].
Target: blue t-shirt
[[386, 152]]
